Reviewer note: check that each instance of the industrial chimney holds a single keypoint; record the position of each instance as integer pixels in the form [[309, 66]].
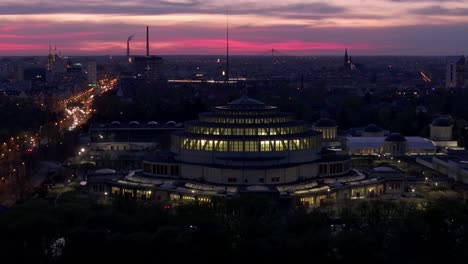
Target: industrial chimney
[[147, 41]]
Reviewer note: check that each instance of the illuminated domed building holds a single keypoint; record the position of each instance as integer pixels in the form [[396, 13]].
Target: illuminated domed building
[[245, 146], [373, 131], [245, 142], [395, 144], [441, 129]]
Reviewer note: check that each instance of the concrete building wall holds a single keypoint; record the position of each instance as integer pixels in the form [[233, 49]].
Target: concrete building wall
[[441, 133]]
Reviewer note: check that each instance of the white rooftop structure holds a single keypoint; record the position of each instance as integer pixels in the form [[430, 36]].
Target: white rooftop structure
[[419, 143], [375, 145]]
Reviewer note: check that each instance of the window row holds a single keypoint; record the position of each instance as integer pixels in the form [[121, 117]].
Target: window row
[[177, 197], [248, 146], [142, 194], [238, 120], [246, 131], [161, 169], [333, 168], [247, 113]]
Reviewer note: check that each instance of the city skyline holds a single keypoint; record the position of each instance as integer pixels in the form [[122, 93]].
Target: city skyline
[[197, 27]]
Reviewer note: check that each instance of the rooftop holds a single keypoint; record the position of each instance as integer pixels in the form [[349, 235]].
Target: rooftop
[[372, 129], [378, 142], [245, 100], [325, 122], [395, 137], [441, 122]]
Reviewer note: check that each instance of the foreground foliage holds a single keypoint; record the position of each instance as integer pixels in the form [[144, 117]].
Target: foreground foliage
[[249, 229]]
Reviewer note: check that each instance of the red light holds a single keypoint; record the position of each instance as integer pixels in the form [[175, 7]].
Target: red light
[[167, 206], [29, 150]]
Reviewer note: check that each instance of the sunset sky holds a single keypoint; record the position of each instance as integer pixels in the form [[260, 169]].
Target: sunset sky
[[307, 27]]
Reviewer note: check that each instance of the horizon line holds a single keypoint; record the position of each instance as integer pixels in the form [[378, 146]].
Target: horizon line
[[242, 55]]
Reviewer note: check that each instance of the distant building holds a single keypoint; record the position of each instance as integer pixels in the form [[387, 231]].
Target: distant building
[[91, 71], [59, 66], [56, 66], [244, 147], [454, 165], [326, 127], [123, 146], [393, 145], [441, 133], [347, 61], [455, 72], [149, 67], [19, 76]]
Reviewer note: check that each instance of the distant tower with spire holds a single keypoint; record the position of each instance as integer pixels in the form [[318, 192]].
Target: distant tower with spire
[[50, 58], [50, 62], [346, 58], [348, 62], [56, 66]]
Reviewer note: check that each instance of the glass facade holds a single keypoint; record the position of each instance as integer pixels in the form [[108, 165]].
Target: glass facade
[[247, 145], [246, 126]]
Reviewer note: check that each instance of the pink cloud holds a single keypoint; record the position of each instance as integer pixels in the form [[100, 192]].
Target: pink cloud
[[48, 36], [188, 46]]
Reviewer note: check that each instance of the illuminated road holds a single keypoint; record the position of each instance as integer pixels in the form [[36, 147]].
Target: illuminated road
[[78, 108]]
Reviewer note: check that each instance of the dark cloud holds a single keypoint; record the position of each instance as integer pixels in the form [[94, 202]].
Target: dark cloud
[[440, 11], [163, 7], [404, 40], [409, 40]]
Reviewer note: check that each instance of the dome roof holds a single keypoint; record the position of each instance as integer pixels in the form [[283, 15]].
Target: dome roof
[[372, 129], [441, 122], [325, 122], [245, 100], [152, 123], [395, 137]]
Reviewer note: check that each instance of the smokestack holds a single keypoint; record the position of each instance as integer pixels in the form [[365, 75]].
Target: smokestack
[[147, 41], [128, 49], [128, 45]]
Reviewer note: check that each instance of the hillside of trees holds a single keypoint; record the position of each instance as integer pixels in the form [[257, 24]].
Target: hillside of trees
[[246, 229]]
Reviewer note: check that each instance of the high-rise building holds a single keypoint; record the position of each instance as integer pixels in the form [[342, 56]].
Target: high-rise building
[[19, 73], [149, 67], [59, 66], [56, 65], [91, 71], [455, 73]]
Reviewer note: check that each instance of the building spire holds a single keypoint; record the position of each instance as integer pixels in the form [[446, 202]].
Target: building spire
[[346, 58], [227, 45]]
